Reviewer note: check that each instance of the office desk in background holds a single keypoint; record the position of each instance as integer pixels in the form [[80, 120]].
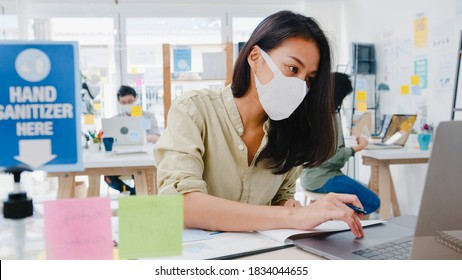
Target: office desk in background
[[381, 180], [97, 164]]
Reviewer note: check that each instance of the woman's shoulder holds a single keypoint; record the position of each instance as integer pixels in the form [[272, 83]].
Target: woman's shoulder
[[198, 96]]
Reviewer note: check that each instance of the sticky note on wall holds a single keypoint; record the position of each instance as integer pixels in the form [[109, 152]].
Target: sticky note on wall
[[78, 229], [89, 119], [405, 89], [361, 106], [361, 95], [415, 80], [150, 226]]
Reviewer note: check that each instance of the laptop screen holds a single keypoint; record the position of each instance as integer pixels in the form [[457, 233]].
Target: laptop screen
[[399, 129]]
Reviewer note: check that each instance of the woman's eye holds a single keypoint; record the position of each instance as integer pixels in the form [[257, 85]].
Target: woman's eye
[[293, 69]]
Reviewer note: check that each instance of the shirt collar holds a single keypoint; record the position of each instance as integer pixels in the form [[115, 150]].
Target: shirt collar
[[231, 108]]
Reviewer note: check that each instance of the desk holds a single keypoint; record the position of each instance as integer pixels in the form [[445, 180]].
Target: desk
[[291, 253], [98, 164], [381, 181]]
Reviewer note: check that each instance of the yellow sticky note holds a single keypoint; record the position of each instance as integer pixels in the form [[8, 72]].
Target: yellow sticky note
[[133, 70], [361, 106], [415, 80], [405, 89], [88, 119], [97, 106], [150, 226], [136, 111], [361, 95]]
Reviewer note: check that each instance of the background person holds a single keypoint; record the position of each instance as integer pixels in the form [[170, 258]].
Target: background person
[[127, 98], [328, 177]]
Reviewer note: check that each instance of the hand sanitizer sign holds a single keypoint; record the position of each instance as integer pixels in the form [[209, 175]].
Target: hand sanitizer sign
[[39, 111]]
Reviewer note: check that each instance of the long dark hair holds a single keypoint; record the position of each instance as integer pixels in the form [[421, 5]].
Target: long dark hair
[[308, 136]]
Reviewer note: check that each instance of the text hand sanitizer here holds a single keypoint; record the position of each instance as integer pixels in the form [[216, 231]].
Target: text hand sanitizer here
[[34, 103]]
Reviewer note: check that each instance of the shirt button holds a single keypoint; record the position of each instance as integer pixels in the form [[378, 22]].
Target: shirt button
[[240, 130], [241, 147]]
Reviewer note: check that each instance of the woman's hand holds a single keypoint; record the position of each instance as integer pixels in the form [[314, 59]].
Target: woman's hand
[[292, 203], [331, 207], [362, 144]]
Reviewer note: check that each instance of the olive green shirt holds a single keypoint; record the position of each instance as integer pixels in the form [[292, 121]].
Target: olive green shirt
[[201, 150], [315, 178]]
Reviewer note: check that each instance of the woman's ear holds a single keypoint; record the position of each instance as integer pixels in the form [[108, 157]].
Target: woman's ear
[[253, 57]]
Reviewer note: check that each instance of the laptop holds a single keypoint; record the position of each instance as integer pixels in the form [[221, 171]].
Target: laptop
[[125, 130], [396, 134], [410, 236]]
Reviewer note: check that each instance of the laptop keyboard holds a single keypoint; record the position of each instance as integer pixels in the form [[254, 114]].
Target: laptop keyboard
[[393, 250]]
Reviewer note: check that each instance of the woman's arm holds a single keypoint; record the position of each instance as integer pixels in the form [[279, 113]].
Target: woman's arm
[[214, 213]]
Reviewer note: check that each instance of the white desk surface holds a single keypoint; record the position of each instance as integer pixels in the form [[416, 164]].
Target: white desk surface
[[101, 159], [388, 154]]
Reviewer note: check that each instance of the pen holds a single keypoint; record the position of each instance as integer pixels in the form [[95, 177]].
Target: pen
[[356, 209]]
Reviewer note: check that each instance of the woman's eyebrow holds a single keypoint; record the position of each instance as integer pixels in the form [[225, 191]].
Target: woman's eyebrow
[[297, 60]]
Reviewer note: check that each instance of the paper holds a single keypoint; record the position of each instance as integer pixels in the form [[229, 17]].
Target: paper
[[421, 70], [415, 90], [361, 95], [89, 119], [190, 235], [150, 226], [286, 235], [78, 229], [415, 80], [420, 31], [361, 106], [181, 59], [405, 89], [136, 111]]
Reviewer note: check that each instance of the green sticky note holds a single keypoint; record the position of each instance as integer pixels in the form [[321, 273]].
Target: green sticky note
[[150, 226]]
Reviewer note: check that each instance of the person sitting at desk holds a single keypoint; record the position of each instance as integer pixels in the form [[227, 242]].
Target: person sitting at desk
[[127, 98], [235, 153], [328, 177]]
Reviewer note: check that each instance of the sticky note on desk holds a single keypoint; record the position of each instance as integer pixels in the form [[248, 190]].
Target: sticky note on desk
[[77, 229], [150, 226]]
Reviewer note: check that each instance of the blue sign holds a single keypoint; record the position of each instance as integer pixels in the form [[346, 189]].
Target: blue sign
[[40, 105]]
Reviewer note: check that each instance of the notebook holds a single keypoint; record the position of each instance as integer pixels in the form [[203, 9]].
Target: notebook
[[440, 210], [125, 130], [396, 134]]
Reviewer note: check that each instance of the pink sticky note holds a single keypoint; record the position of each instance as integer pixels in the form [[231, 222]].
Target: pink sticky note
[[138, 82], [77, 229]]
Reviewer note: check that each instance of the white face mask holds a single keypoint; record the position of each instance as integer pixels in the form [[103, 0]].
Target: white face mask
[[282, 95], [127, 108]]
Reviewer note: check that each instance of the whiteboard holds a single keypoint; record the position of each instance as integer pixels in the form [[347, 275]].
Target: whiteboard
[[458, 92]]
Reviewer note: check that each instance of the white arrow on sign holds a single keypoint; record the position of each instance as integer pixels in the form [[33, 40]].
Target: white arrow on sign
[[35, 153]]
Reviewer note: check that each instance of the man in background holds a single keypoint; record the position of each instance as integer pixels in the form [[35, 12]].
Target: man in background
[[127, 97]]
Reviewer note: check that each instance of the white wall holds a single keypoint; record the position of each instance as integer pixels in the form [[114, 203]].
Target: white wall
[[331, 18]]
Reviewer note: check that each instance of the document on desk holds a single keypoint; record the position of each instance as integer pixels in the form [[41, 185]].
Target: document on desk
[[287, 236], [229, 245]]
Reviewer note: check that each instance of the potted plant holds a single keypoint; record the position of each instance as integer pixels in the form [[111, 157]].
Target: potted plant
[[425, 136]]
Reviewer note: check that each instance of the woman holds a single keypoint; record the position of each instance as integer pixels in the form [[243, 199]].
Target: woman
[[328, 177], [235, 153]]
